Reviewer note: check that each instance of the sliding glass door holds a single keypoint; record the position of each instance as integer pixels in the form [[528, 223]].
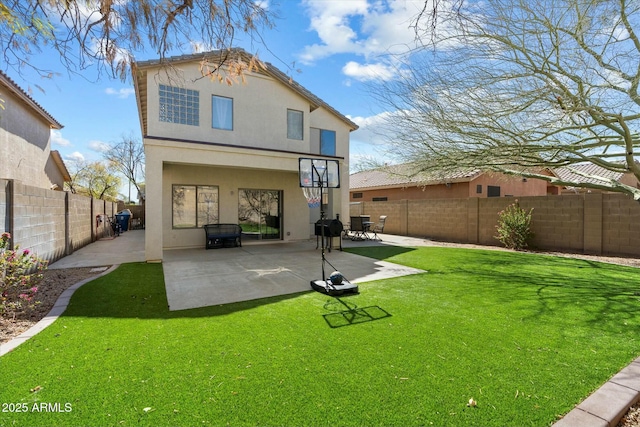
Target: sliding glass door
[[260, 213]]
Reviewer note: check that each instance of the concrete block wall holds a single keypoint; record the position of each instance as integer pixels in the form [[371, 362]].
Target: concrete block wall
[[557, 222], [620, 225], [601, 224], [441, 219], [80, 222], [52, 224], [39, 220]]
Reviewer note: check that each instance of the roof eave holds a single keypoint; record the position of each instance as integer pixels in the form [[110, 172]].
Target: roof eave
[[27, 99], [55, 155]]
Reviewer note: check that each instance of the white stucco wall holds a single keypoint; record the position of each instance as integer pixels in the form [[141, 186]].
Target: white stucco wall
[[259, 112], [200, 155]]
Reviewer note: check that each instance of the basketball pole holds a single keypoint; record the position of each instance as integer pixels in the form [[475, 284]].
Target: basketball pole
[[320, 182], [307, 166]]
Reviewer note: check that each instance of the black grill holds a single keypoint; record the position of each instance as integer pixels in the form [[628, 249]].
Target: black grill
[[332, 228]]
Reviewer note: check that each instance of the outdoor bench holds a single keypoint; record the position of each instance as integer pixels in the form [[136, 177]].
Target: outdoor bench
[[219, 235]]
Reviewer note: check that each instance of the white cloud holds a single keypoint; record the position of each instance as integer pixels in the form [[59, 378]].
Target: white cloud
[[368, 72], [264, 4], [360, 27], [101, 50], [374, 141], [76, 156], [370, 130], [99, 146], [57, 139], [120, 93], [199, 46]]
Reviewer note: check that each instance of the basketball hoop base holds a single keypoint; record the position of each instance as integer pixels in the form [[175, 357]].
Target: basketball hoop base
[[326, 287]]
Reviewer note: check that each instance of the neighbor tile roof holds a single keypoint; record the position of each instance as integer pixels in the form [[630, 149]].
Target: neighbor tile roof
[[405, 175], [566, 173]]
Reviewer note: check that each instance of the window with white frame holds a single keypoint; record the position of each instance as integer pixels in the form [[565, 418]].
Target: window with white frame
[[221, 112], [179, 105], [295, 124]]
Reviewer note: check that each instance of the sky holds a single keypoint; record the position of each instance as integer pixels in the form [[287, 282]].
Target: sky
[[334, 48]]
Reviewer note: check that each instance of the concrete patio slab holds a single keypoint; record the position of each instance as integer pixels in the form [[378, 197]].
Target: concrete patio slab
[[198, 278]]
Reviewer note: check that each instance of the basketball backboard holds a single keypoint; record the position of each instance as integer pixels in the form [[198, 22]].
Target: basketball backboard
[[314, 171]]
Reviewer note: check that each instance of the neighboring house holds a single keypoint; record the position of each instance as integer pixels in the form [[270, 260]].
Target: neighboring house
[[398, 182], [576, 174], [25, 140], [218, 153]]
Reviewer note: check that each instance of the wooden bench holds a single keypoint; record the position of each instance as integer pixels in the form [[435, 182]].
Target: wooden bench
[[219, 235]]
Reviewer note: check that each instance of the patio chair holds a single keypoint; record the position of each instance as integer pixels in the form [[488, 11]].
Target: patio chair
[[358, 228], [379, 227]]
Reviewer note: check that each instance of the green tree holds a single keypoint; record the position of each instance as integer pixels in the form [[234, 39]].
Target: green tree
[[94, 179], [521, 86]]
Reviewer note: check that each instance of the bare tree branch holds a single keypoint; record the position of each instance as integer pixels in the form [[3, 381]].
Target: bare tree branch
[[107, 34], [517, 86], [127, 157]]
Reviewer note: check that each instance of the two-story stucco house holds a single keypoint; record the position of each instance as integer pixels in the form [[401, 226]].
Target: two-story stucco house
[[25, 140], [219, 153]]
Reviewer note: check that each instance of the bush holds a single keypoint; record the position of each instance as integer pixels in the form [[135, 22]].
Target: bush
[[514, 227], [20, 273]]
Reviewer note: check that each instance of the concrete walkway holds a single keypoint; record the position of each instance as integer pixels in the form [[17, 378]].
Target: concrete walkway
[[128, 247]]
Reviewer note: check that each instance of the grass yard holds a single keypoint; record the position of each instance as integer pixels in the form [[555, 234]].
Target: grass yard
[[526, 336]]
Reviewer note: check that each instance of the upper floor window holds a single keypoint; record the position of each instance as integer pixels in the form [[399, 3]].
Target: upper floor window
[[222, 112], [179, 105], [294, 124], [327, 142]]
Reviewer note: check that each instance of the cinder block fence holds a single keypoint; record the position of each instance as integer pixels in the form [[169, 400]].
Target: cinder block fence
[[597, 223], [50, 223]]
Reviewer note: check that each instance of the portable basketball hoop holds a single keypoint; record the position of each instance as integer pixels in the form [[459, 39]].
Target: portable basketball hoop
[[315, 175]]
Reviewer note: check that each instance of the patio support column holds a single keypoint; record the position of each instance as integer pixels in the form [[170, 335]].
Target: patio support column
[[153, 243]]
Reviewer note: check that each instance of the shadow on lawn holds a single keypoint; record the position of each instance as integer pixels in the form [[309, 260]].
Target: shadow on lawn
[[352, 315], [597, 293], [379, 252], [600, 295]]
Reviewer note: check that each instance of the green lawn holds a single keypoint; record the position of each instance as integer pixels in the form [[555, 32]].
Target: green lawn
[[526, 336]]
